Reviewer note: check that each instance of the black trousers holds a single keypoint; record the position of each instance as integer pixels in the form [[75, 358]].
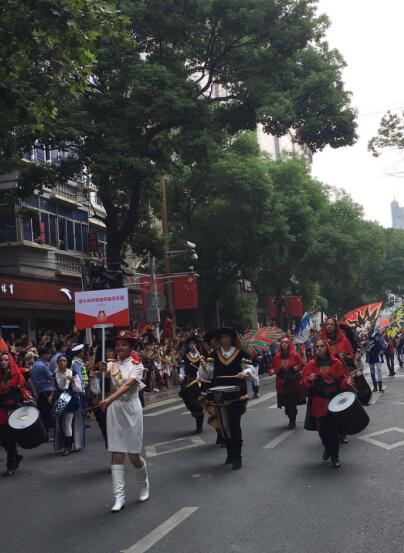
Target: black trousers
[[329, 433], [45, 408], [390, 361], [290, 408], [8, 442], [235, 441]]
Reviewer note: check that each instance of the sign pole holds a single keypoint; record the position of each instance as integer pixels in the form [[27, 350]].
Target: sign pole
[[103, 327]]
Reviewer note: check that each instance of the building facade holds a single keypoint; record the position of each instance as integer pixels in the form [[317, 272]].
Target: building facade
[[44, 242]]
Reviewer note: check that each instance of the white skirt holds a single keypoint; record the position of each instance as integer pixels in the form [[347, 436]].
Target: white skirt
[[125, 425]]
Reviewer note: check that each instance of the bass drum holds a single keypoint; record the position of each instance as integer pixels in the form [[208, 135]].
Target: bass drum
[[348, 411], [27, 426]]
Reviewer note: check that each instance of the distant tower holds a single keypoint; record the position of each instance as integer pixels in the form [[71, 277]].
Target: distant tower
[[397, 215]]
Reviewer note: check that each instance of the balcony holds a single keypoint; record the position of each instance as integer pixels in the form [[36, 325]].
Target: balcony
[[65, 193], [68, 265]]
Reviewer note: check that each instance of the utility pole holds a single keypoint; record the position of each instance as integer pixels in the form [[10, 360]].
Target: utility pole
[[167, 263], [155, 299]]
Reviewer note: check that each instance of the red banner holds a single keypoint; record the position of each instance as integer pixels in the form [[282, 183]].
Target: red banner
[[272, 307], [295, 306], [186, 292]]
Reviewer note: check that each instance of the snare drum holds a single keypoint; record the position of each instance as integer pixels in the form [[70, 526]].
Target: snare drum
[[27, 426], [349, 413], [220, 395]]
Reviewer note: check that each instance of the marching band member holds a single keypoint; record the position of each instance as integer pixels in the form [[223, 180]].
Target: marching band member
[[340, 346], [125, 418], [228, 368], [12, 391], [325, 376], [286, 364], [69, 426], [190, 385]]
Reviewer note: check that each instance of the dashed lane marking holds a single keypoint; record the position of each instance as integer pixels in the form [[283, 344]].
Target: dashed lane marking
[[164, 411], [279, 439], [161, 531], [163, 448]]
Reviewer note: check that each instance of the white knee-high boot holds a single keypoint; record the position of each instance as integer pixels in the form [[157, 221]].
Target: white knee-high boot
[[143, 482], [118, 486]]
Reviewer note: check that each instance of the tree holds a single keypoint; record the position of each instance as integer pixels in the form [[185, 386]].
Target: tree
[[390, 134], [173, 78], [45, 55], [223, 204]]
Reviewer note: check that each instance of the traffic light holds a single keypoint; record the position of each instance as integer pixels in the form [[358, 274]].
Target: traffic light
[[100, 279]]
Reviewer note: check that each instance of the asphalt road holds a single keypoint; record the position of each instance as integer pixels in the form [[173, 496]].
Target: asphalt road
[[283, 500]]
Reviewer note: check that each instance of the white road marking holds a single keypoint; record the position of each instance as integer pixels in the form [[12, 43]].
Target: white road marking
[[151, 450], [279, 439], [274, 406], [164, 411], [265, 397], [370, 438], [158, 533], [156, 404]]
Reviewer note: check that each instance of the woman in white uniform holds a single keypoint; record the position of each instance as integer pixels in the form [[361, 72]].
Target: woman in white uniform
[[125, 418]]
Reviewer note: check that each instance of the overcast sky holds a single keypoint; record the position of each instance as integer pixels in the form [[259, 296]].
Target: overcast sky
[[369, 34]]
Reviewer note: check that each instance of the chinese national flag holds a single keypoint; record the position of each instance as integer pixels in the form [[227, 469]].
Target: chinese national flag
[[272, 307], [186, 292], [145, 288], [295, 306]]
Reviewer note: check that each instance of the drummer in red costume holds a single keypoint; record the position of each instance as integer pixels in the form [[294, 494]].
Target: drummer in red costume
[[325, 377], [340, 346], [12, 392], [287, 365]]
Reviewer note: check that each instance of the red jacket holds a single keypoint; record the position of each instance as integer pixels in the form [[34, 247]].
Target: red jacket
[[341, 345], [280, 365], [327, 385], [16, 381]]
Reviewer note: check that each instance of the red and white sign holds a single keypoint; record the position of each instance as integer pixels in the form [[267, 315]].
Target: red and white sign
[[97, 307]]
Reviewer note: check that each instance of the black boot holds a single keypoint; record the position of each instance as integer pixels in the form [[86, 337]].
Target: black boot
[[343, 439], [220, 440], [199, 424], [292, 424], [380, 386], [67, 446], [236, 455], [335, 463], [230, 453], [326, 455], [256, 390]]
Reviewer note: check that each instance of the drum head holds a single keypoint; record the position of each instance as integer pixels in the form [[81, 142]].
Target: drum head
[[341, 402], [24, 417], [224, 389]]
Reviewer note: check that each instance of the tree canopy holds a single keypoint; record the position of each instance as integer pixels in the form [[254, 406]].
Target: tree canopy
[[171, 80]]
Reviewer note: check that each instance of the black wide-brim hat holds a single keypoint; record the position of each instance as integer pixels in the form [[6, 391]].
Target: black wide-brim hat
[[193, 338], [213, 337]]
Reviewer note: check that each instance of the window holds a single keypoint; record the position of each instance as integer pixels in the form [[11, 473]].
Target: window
[[84, 231], [70, 235], [45, 221], [78, 236], [62, 233], [27, 230], [52, 231]]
